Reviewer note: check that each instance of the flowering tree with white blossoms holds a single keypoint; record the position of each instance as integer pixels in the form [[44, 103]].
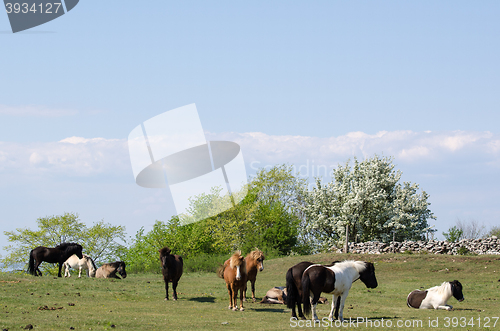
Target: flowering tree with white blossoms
[[369, 198]]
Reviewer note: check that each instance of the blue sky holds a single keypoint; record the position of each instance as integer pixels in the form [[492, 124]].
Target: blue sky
[[307, 83]]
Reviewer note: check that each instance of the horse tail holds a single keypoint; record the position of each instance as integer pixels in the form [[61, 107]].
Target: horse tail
[[31, 264], [292, 293], [220, 271], [306, 301]]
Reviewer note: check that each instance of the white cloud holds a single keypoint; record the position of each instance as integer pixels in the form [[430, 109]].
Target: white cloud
[[35, 111], [78, 156]]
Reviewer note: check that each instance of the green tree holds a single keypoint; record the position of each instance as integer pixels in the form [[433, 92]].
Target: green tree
[[454, 234], [99, 241], [368, 197]]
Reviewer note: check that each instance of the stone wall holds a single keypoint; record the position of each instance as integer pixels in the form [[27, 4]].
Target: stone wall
[[476, 246]]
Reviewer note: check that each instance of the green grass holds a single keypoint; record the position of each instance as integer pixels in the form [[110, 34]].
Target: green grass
[[137, 302]]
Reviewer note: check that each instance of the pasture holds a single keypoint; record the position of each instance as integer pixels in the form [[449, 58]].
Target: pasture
[[137, 302]]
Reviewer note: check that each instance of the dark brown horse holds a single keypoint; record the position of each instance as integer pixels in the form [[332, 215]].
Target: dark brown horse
[[255, 263], [234, 273], [109, 270], [171, 267], [294, 287], [58, 254]]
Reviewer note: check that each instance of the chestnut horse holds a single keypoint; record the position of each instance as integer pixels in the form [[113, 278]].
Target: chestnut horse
[[58, 254], [171, 267], [255, 263], [234, 273]]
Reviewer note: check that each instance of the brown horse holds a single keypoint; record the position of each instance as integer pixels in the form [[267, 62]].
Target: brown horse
[[171, 267], [255, 263], [234, 273], [109, 270], [294, 287], [58, 254]]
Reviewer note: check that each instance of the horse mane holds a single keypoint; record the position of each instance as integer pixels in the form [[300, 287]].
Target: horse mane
[[237, 260], [64, 246], [256, 254], [444, 288]]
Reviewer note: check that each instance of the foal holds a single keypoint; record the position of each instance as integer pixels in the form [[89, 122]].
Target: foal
[[436, 297]]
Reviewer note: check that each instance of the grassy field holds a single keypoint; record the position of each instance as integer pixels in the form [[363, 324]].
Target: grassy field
[[137, 302]]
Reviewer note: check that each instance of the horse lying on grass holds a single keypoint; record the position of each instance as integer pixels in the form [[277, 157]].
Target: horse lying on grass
[[234, 273], [109, 270], [171, 267], [337, 280], [278, 295], [76, 263], [436, 297], [58, 254]]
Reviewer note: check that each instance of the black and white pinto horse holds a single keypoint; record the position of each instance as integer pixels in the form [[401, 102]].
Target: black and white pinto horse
[[76, 263], [436, 297], [337, 280]]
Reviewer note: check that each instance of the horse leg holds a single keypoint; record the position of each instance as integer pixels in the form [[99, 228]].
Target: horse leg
[[314, 303], [37, 271], [174, 288], [230, 292], [343, 297], [66, 270], [253, 290], [334, 300], [299, 308], [241, 300], [60, 267], [166, 290], [80, 272], [235, 298]]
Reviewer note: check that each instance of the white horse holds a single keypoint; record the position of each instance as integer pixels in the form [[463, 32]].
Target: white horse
[[336, 279], [436, 297], [74, 262]]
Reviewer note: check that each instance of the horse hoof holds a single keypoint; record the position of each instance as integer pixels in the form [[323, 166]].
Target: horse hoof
[[254, 300], [235, 308], [166, 299], [229, 307], [242, 309]]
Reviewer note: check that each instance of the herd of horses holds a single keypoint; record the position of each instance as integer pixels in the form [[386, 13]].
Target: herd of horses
[[70, 255], [305, 281]]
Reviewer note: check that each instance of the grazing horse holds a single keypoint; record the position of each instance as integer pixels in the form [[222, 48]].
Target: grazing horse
[[254, 262], [84, 263], [235, 274], [294, 287], [171, 267], [436, 297], [109, 270], [58, 254], [337, 280]]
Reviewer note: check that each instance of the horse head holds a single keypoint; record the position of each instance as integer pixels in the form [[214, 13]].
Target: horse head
[[237, 261], [367, 275], [456, 290], [258, 256], [164, 254], [121, 269]]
